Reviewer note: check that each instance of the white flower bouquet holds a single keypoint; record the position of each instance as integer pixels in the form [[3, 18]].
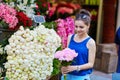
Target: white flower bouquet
[[31, 53]]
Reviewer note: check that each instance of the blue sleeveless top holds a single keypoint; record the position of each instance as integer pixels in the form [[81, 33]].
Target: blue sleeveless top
[[82, 58]]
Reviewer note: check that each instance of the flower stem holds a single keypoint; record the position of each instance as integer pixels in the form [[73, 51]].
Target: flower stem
[[65, 78]]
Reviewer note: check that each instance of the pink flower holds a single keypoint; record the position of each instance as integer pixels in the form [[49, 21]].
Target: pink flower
[[8, 15], [65, 27], [66, 55]]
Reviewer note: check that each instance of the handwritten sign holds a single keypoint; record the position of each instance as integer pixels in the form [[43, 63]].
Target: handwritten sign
[[39, 19]]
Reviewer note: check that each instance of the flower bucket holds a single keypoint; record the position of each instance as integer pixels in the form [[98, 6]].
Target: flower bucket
[[5, 33]]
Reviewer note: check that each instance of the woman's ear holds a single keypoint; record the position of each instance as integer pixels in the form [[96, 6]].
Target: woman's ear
[[88, 26]]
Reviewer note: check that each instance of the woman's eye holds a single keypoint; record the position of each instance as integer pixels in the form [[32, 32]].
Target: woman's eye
[[81, 26], [76, 26]]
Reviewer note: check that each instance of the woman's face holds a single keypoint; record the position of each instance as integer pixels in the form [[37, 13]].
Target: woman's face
[[80, 27]]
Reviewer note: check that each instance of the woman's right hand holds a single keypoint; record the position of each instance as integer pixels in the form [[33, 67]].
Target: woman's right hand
[[67, 69], [63, 70]]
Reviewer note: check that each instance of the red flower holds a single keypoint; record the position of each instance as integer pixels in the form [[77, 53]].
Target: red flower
[[67, 7], [64, 10], [23, 20]]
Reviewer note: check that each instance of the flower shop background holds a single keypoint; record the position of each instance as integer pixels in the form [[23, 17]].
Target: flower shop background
[[59, 16], [19, 30]]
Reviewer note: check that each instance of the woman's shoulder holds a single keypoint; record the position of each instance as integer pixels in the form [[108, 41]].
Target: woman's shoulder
[[69, 39], [91, 42], [69, 36]]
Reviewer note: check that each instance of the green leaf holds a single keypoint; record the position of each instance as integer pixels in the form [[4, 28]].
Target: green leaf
[[3, 24], [50, 25], [56, 67], [6, 78], [66, 63]]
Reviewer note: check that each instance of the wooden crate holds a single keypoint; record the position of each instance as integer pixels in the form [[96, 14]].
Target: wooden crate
[[107, 47], [98, 51], [97, 64], [109, 62], [106, 58]]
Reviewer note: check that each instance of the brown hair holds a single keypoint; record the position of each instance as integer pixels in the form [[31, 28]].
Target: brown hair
[[84, 15]]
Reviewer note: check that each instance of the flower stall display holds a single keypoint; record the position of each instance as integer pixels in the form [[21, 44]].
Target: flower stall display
[[66, 56], [67, 8], [27, 6], [24, 20], [24, 11], [62, 10], [65, 27], [31, 53], [8, 17], [42, 7], [52, 10]]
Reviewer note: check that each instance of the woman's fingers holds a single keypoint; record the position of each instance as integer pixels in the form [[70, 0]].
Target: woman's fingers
[[67, 69], [64, 70]]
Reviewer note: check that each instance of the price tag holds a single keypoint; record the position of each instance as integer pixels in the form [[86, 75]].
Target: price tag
[[39, 19]]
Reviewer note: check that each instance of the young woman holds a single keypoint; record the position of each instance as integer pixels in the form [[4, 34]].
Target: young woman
[[84, 45]]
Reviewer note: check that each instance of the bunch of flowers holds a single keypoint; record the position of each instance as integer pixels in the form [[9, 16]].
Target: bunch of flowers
[[66, 57], [31, 53], [63, 9], [45, 7], [42, 7], [23, 20], [53, 10], [27, 6], [65, 27], [8, 15]]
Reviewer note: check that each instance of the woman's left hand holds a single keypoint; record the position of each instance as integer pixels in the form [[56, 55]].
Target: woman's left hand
[[67, 69]]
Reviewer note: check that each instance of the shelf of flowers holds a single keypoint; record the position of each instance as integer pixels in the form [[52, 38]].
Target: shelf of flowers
[[30, 53], [27, 50]]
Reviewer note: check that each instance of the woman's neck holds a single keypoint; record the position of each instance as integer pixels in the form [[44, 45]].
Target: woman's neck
[[81, 36]]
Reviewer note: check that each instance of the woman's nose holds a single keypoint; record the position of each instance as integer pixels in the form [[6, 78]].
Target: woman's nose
[[78, 29]]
